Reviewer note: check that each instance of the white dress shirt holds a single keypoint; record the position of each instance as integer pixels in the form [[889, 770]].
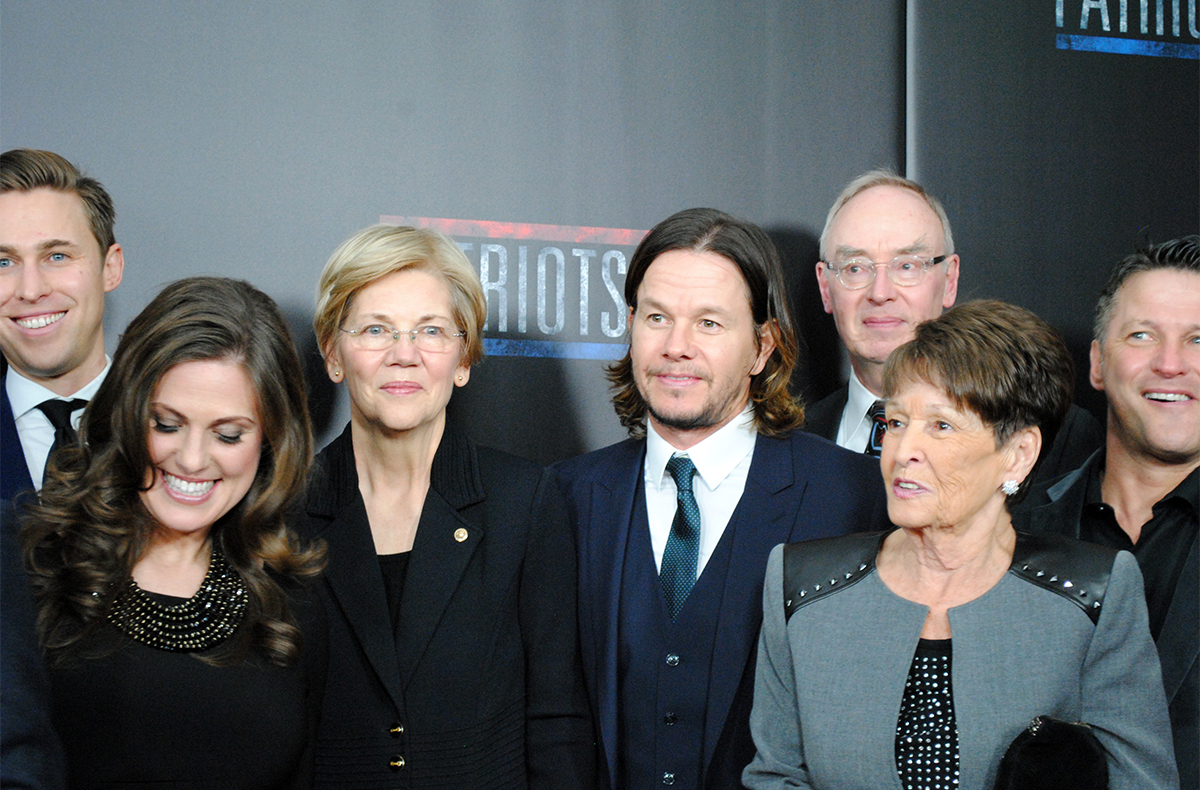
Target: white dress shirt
[[33, 426], [722, 465], [854, 431]]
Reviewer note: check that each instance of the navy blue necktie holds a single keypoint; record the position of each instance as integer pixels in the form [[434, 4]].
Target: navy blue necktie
[[678, 573], [59, 412], [878, 429]]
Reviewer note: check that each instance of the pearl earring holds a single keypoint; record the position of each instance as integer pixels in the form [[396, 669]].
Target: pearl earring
[[1010, 487]]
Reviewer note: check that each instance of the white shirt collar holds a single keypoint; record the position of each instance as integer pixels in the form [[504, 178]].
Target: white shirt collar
[[715, 456], [859, 399], [24, 394]]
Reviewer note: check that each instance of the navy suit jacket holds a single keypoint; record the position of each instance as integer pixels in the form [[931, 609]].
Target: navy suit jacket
[[799, 488], [14, 472], [30, 753], [1079, 437], [1057, 510]]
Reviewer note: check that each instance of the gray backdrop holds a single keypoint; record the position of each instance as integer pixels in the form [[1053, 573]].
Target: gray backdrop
[[250, 139]]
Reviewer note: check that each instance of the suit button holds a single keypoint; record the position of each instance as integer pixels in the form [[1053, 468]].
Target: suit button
[[672, 660], [396, 730], [670, 719], [396, 763], [668, 778]]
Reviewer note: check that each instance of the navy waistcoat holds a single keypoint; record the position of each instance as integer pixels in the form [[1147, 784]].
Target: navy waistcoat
[[664, 667]]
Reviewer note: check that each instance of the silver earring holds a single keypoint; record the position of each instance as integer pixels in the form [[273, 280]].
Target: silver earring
[[1010, 487]]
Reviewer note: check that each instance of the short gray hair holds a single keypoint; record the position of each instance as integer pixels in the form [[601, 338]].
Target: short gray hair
[[885, 177]]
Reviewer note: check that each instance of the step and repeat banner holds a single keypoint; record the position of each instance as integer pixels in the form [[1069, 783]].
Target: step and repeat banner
[[1062, 135], [250, 139]]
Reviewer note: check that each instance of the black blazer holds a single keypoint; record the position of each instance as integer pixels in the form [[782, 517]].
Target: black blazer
[[1057, 510], [1079, 437], [799, 488], [482, 684]]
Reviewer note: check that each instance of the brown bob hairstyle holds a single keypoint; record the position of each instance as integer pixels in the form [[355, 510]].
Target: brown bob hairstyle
[[998, 360], [750, 249], [90, 527]]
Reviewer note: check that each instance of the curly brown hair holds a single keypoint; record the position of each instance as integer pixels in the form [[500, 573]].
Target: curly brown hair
[[89, 527], [747, 246]]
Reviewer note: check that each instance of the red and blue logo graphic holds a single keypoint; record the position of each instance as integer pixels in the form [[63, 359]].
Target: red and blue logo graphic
[[552, 290]]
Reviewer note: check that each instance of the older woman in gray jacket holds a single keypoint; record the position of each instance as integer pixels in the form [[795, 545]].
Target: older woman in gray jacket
[[911, 659]]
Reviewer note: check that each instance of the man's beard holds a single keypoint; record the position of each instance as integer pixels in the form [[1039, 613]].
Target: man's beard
[[705, 419]]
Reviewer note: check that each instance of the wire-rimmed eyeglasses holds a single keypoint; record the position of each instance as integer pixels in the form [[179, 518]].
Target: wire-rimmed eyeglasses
[[428, 337], [859, 271]]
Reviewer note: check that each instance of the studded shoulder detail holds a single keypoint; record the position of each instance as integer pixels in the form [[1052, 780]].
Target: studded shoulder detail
[[1075, 570], [816, 568]]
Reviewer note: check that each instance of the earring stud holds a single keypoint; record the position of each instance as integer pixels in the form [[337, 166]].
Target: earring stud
[[1010, 487]]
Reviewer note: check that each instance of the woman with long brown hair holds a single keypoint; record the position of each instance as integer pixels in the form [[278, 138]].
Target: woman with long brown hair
[[181, 640]]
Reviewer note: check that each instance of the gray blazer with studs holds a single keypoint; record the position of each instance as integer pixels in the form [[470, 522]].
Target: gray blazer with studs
[[830, 679]]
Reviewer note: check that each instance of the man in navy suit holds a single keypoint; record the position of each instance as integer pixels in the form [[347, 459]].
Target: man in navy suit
[[888, 264], [1141, 491], [58, 258], [675, 523]]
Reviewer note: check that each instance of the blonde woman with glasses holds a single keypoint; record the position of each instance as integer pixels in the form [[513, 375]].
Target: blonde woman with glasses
[[453, 649]]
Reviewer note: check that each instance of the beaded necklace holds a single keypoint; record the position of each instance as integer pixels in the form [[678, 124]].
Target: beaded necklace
[[203, 621]]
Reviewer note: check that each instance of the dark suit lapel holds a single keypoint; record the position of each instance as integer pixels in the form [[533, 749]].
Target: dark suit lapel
[[1179, 641], [602, 563], [448, 535], [763, 519], [1061, 515], [825, 416], [357, 585], [14, 471], [435, 569]]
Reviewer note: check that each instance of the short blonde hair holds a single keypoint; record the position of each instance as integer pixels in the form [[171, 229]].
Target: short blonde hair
[[375, 252]]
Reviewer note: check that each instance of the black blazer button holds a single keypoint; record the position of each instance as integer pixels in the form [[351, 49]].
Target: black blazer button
[[396, 730], [396, 763], [668, 778]]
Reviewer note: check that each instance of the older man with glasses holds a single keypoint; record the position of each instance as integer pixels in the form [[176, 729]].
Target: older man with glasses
[[887, 264]]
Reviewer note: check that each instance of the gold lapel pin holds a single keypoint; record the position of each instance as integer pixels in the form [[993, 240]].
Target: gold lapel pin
[[460, 534]]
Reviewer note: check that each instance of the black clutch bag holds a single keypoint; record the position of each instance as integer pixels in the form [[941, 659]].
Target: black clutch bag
[[1052, 754]]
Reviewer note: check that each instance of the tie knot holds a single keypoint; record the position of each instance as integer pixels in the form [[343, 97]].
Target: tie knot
[[876, 412], [682, 469], [59, 411]]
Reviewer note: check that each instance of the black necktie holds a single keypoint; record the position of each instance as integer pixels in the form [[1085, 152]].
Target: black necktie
[[59, 413], [878, 428], [678, 573]]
